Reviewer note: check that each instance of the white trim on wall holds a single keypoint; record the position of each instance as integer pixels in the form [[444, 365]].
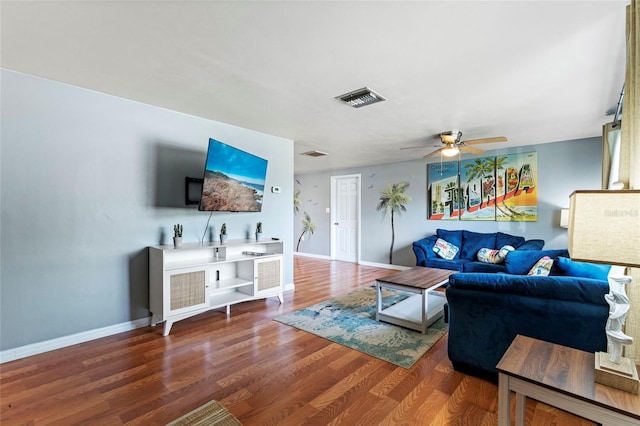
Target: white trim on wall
[[316, 256], [73, 339], [384, 265]]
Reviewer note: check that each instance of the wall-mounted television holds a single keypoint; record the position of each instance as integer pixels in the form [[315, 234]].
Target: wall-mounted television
[[233, 180]]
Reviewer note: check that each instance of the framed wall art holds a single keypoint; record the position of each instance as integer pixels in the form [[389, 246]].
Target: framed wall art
[[502, 188], [442, 191]]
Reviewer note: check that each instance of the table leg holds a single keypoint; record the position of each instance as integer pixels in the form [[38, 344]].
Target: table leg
[[521, 403], [424, 311], [378, 300], [504, 400]]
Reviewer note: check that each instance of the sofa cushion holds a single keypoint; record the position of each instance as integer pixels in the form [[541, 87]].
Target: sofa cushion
[[566, 266], [474, 241], [453, 265], [542, 268], [482, 267], [531, 245], [503, 239], [519, 262], [445, 249], [453, 237]]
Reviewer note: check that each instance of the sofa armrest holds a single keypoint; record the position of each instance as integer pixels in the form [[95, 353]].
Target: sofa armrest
[[423, 249], [576, 289]]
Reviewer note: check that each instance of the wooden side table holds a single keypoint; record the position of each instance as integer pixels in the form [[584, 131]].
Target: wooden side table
[[561, 377]]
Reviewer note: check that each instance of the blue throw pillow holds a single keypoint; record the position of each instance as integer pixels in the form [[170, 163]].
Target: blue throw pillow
[[520, 262], [453, 237], [568, 267], [474, 241]]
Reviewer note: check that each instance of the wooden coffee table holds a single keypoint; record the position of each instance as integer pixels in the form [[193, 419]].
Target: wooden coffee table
[[561, 377], [419, 311]]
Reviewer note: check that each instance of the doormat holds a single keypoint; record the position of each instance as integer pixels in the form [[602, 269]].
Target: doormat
[[210, 414]]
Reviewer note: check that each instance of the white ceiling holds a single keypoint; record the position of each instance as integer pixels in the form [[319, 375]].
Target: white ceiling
[[535, 72]]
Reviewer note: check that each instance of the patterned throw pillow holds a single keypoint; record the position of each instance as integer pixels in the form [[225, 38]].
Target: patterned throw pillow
[[542, 267], [487, 255], [444, 249]]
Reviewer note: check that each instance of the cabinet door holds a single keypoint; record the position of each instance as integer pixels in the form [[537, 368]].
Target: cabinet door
[[187, 289], [268, 276]]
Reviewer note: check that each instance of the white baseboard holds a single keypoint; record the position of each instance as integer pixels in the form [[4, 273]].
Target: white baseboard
[[378, 265], [73, 339], [315, 256], [384, 265]]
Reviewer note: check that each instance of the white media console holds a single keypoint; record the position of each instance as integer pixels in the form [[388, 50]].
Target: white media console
[[195, 278]]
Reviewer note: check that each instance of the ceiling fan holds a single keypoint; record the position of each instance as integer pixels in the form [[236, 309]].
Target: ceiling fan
[[453, 144]]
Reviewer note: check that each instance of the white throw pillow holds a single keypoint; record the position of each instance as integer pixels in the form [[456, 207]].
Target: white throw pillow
[[488, 255], [444, 249], [542, 267]]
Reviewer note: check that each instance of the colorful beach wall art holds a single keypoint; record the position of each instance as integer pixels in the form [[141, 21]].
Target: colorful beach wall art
[[502, 188], [442, 191]]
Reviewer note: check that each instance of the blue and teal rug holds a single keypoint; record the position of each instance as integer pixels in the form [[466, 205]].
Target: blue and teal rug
[[350, 320]]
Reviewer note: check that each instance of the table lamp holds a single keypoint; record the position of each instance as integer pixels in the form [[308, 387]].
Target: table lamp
[[604, 227]]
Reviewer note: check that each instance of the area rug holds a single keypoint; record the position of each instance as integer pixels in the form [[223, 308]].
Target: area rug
[[210, 414], [350, 320]]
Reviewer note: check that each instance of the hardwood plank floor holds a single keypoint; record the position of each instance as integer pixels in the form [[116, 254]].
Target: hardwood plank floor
[[264, 372]]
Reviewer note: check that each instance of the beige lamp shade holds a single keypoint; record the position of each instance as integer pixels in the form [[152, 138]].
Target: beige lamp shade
[[604, 227]]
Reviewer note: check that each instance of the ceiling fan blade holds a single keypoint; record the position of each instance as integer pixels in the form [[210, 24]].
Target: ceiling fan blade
[[412, 147], [485, 140], [431, 154], [471, 150]]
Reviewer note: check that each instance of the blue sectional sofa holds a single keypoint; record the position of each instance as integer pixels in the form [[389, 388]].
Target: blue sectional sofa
[[487, 310], [469, 243]]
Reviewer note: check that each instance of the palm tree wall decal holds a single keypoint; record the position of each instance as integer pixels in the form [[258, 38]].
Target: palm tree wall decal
[[393, 200], [296, 201], [307, 227]]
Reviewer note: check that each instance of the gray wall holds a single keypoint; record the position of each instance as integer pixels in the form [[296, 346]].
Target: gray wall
[[562, 168], [88, 182]]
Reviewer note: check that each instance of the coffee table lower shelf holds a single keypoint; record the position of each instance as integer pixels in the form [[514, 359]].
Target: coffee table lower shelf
[[408, 313]]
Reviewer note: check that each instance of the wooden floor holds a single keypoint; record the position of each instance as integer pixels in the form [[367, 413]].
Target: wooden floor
[[264, 372]]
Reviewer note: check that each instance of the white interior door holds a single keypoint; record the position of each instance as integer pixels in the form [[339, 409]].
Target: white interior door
[[345, 238]]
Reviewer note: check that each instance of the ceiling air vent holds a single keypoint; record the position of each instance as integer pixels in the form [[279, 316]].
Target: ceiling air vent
[[361, 97], [314, 153]]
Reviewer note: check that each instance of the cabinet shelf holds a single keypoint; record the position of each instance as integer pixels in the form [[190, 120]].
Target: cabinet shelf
[[231, 283], [223, 299]]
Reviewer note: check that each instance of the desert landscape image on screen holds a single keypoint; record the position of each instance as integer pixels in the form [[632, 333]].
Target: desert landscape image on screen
[[233, 180]]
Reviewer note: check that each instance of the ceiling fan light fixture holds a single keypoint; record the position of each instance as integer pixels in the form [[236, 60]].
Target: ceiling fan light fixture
[[451, 137], [450, 151]]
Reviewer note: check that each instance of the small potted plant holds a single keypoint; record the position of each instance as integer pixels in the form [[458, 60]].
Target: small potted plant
[[177, 235], [258, 231], [223, 233]]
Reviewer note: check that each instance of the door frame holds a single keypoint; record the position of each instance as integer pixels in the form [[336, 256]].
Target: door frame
[[334, 180]]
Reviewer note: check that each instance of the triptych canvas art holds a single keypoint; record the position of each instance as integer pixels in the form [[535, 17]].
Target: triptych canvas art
[[502, 188]]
